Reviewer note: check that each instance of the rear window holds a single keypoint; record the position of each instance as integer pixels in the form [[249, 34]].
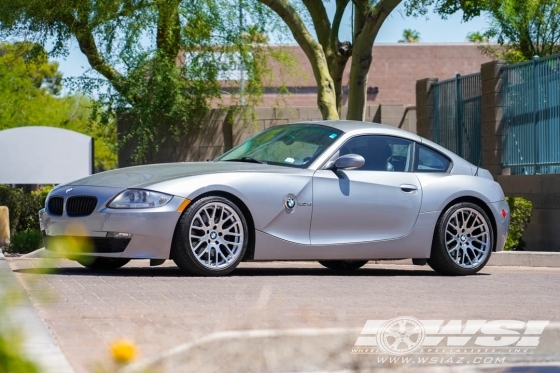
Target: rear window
[[429, 160]]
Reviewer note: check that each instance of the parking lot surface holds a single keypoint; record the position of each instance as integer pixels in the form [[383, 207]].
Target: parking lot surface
[[160, 308]]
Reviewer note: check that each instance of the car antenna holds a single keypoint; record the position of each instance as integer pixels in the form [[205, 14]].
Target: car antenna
[[479, 158]]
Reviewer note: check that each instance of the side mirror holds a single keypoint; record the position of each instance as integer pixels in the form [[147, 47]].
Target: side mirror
[[349, 162]]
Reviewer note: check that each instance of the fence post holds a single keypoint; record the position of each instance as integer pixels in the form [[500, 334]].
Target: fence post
[[492, 113], [535, 106], [459, 115], [425, 107]]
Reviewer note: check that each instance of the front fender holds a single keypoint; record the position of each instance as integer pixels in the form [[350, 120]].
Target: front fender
[[262, 193]]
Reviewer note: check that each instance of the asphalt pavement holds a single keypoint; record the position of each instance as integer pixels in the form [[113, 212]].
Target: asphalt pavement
[[315, 313]]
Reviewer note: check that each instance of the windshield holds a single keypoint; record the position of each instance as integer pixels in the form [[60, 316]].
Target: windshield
[[293, 145]]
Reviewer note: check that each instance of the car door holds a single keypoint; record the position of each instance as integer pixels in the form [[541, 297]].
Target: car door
[[378, 201]]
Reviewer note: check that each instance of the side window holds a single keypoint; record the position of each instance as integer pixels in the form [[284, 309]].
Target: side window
[[430, 160], [381, 153]]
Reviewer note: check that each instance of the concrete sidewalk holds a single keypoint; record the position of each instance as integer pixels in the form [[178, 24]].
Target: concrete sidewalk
[[40, 345]]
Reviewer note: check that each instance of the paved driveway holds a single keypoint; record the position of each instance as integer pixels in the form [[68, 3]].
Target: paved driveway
[[160, 308]]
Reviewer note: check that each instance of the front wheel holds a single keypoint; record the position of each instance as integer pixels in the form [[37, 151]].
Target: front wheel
[[211, 237], [463, 240], [103, 264], [343, 265]]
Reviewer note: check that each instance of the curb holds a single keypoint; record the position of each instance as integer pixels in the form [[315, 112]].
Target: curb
[[525, 259], [39, 253], [39, 344], [505, 259]]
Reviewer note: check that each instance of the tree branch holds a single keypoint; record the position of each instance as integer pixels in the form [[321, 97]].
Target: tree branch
[[321, 22], [340, 8], [88, 47], [313, 51], [127, 10], [376, 17], [169, 29]]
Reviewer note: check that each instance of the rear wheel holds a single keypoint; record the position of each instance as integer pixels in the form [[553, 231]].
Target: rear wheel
[[463, 240], [343, 265], [105, 264], [211, 237]]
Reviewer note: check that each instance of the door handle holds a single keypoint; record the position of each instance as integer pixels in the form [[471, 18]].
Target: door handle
[[409, 188]]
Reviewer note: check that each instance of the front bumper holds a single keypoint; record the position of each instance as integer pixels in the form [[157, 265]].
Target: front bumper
[[502, 224], [127, 233]]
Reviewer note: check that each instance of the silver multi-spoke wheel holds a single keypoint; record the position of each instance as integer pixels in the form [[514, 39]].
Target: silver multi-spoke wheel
[[463, 240], [467, 238], [216, 235]]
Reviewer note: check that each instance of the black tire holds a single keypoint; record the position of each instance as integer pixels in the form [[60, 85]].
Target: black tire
[[440, 259], [102, 264], [343, 265], [183, 255]]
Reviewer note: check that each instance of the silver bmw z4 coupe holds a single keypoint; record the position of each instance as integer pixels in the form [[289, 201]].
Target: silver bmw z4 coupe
[[337, 192]]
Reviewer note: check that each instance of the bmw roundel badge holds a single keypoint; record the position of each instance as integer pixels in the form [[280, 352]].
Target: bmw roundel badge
[[290, 203]]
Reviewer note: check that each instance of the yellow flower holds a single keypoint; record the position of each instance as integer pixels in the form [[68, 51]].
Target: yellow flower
[[123, 350]]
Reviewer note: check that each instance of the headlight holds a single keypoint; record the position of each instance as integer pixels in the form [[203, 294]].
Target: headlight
[[139, 199]]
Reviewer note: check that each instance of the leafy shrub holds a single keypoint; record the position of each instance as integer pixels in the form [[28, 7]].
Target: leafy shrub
[[13, 199], [25, 242], [13, 357], [520, 213], [24, 207]]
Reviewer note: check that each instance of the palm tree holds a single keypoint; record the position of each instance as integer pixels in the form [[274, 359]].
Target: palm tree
[[477, 37], [410, 36]]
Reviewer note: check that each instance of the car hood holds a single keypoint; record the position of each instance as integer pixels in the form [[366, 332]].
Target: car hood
[[143, 176]]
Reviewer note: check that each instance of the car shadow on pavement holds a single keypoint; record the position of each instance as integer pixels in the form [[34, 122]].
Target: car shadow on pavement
[[239, 272]]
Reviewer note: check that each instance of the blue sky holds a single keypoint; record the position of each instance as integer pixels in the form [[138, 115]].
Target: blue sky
[[432, 30]]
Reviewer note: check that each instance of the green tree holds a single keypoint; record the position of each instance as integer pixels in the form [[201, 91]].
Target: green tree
[[477, 37], [159, 61], [410, 36], [328, 55], [29, 90], [523, 29]]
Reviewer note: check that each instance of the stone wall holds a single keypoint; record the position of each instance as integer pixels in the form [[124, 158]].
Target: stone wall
[[218, 135]]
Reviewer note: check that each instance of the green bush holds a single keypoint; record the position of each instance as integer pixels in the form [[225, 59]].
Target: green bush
[[25, 242], [520, 213], [13, 357], [24, 207]]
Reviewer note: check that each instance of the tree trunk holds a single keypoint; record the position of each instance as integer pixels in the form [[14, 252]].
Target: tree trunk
[[338, 64], [357, 87], [326, 95], [367, 24], [326, 98]]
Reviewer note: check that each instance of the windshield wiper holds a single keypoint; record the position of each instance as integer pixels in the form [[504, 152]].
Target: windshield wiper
[[246, 159]]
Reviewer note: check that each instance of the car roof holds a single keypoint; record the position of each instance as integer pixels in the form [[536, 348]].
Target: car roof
[[349, 126]]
